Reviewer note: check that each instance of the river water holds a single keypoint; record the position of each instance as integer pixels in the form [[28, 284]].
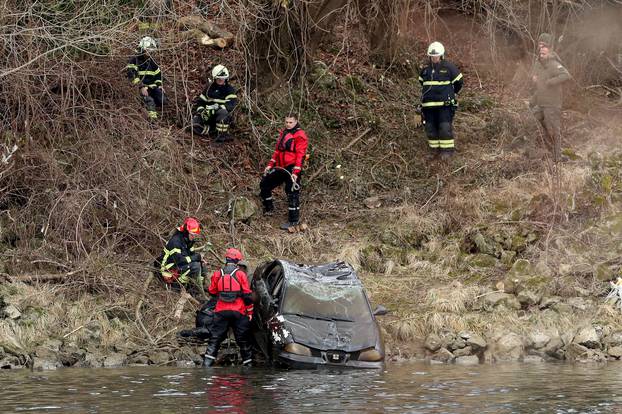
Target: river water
[[401, 388]]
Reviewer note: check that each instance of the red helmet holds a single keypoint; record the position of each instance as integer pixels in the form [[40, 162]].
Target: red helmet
[[234, 254], [191, 225]]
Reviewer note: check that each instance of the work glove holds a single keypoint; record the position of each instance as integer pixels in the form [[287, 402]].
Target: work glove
[[267, 171], [418, 120]]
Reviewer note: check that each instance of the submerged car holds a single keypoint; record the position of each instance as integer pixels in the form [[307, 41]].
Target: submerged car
[[313, 316]]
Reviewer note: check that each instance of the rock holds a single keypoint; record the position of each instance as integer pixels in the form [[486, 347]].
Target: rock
[[483, 245], [185, 364], [594, 355], [114, 360], [482, 260], [533, 359], [93, 360], [11, 312], [567, 337], [477, 343], [139, 360], [467, 360], [575, 351], [457, 343], [528, 298], [520, 269], [11, 362], [322, 76], [613, 339], [512, 285], [45, 363], [579, 303], [443, 355], [159, 358], [587, 337], [548, 301], [432, 343], [509, 347], [462, 352], [495, 299], [615, 352], [507, 257], [539, 340], [53, 344], [372, 202], [242, 209], [554, 348], [561, 307]]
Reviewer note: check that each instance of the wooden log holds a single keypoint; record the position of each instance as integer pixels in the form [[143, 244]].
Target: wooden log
[[216, 36]]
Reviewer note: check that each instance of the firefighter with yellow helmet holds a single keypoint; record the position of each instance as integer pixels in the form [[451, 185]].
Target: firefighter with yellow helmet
[[441, 81]]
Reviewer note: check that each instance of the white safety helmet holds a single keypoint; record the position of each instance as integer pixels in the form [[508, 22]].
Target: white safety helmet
[[220, 72], [147, 44], [436, 49]]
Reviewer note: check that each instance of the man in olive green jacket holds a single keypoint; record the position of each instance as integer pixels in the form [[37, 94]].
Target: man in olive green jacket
[[546, 103]]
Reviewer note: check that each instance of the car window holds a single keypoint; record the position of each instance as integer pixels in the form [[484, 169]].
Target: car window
[[305, 297]]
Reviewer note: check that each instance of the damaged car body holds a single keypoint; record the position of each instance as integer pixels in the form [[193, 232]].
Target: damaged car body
[[313, 316]]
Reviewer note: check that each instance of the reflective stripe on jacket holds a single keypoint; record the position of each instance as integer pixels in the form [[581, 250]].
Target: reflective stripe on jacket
[[143, 69], [223, 95], [178, 253], [441, 82]]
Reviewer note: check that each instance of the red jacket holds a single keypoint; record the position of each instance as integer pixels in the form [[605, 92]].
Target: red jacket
[[291, 148], [220, 283]]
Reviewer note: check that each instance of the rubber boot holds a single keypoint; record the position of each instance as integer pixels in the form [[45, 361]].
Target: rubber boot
[[208, 361]]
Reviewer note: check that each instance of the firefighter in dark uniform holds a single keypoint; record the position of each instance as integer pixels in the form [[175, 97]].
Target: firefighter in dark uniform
[[214, 107], [285, 166], [143, 71], [233, 308], [441, 81], [180, 262], [546, 102]]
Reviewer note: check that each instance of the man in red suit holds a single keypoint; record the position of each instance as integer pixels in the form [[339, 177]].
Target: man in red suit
[[285, 166]]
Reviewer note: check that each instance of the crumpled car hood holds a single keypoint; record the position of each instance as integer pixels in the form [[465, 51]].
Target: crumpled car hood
[[331, 335]]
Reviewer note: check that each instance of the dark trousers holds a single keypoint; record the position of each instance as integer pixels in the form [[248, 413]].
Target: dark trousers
[[272, 180], [438, 127], [218, 121], [241, 325], [155, 99]]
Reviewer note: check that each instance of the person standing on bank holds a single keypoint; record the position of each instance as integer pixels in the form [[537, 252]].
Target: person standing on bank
[[546, 102], [285, 166], [441, 81]]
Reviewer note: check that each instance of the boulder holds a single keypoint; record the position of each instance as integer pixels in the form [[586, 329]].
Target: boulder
[[467, 360], [528, 298], [495, 299], [615, 352], [554, 348], [507, 257], [587, 337], [443, 355], [114, 360], [242, 209], [520, 269], [476, 342], [539, 340], [93, 359], [509, 347], [613, 339], [139, 359], [533, 359], [575, 351], [45, 363], [432, 343], [159, 358], [322, 76], [11, 312], [462, 352]]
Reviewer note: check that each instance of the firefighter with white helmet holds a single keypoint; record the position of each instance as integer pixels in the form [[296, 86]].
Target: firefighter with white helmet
[[214, 107], [143, 71], [441, 81]]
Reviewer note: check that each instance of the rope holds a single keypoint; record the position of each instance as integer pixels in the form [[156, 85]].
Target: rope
[[295, 185]]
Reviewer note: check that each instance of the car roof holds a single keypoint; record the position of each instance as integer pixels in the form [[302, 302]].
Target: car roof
[[335, 273]]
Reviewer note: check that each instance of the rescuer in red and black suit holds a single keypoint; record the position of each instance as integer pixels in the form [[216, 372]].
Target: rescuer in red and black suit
[[234, 308], [285, 166]]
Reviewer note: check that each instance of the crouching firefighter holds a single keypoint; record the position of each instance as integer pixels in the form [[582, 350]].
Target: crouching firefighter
[[215, 105], [285, 166], [180, 263], [441, 81], [144, 72], [233, 308]]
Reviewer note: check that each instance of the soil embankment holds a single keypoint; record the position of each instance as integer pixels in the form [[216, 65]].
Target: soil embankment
[[495, 255]]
